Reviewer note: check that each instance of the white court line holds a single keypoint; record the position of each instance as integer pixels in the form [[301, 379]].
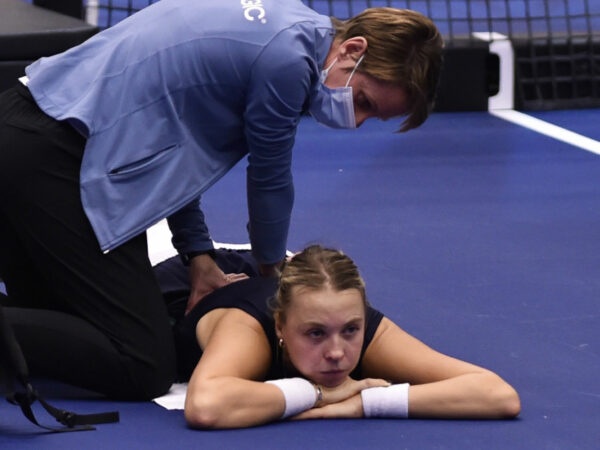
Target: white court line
[[548, 129], [501, 105]]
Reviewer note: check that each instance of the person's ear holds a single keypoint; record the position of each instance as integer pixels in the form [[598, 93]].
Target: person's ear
[[278, 327], [353, 48]]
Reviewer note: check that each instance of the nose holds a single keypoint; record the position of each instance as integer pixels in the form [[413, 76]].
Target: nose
[[335, 351]]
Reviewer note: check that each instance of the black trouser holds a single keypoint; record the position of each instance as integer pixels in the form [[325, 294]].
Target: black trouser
[[83, 317]]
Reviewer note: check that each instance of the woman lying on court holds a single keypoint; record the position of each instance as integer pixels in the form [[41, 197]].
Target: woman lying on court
[[324, 353]]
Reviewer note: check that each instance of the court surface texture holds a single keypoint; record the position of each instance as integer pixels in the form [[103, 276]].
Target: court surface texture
[[477, 235]]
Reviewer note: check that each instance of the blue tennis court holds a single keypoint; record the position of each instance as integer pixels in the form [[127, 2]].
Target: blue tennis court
[[478, 233], [478, 236]]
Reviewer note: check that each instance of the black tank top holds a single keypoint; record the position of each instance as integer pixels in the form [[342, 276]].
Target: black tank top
[[252, 296]]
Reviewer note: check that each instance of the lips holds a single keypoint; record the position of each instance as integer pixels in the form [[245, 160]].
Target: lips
[[333, 377]]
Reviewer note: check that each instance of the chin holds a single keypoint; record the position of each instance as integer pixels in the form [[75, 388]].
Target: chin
[[331, 380]]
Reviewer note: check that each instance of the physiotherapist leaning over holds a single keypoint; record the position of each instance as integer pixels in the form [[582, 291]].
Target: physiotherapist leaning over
[[100, 142]]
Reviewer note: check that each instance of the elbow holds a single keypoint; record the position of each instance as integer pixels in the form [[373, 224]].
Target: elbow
[[202, 410], [506, 400], [511, 404]]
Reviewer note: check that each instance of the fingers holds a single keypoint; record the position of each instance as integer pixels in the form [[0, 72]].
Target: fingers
[[350, 388], [358, 385], [373, 382], [198, 294], [204, 285], [233, 277], [348, 408], [343, 401], [192, 301]]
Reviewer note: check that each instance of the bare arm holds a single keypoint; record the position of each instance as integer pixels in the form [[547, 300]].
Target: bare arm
[[441, 386], [226, 388]]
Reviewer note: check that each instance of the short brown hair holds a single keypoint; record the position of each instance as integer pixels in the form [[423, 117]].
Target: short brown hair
[[404, 47]]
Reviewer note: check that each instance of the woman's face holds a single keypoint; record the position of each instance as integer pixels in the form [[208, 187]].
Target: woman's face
[[323, 333], [373, 98]]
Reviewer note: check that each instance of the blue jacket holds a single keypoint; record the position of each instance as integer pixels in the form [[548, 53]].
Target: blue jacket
[[174, 96]]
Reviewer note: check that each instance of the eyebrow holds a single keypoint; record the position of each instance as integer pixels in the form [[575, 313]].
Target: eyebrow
[[319, 324]]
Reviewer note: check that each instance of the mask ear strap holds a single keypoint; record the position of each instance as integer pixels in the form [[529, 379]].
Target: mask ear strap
[[328, 68], [354, 70]]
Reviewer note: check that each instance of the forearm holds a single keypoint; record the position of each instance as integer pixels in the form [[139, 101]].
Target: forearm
[[481, 395], [189, 229], [269, 221], [230, 402], [270, 198], [470, 396], [441, 386]]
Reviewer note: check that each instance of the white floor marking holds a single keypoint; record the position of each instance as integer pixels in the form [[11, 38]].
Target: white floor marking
[[501, 105], [548, 129]]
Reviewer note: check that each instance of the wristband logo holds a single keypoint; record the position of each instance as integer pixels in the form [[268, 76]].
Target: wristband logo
[[254, 10]]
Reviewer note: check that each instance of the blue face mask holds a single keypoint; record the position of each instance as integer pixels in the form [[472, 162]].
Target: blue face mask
[[334, 107]]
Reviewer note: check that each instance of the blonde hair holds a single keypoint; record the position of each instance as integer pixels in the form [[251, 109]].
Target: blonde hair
[[316, 268], [404, 47]]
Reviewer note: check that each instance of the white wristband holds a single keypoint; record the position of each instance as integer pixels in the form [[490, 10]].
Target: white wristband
[[389, 401], [299, 394]]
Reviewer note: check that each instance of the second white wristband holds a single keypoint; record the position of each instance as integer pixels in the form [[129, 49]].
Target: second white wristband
[[389, 401]]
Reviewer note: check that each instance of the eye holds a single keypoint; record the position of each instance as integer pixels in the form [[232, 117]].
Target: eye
[[363, 102], [351, 330], [315, 333]]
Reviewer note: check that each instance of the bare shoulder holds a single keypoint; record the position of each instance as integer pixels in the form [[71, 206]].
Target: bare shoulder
[[224, 317], [233, 343]]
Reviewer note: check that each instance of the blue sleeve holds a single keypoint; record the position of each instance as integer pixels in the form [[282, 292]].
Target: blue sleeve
[[278, 91], [189, 229]]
